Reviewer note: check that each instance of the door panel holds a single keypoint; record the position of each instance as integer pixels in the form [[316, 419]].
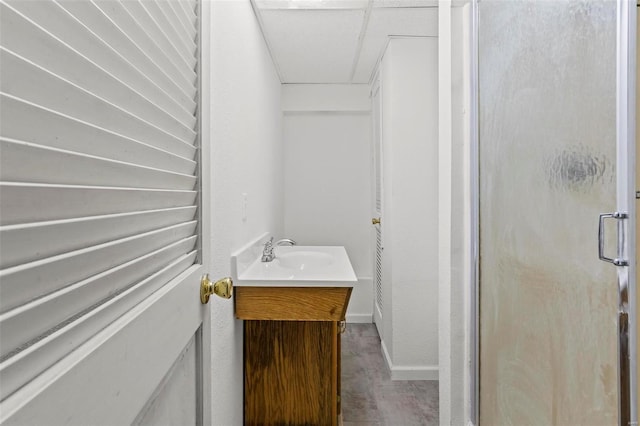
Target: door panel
[[110, 329], [175, 401], [112, 377], [377, 205], [547, 148]]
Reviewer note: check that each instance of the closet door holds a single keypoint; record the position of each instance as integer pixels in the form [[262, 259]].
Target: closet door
[[376, 106], [103, 213]]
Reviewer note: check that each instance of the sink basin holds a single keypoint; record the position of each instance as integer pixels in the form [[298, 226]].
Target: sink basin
[[304, 259], [293, 266]]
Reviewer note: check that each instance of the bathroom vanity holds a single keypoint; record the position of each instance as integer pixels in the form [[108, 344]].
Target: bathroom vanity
[[293, 310]]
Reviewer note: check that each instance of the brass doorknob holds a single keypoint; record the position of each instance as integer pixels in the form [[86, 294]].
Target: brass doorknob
[[222, 288], [375, 221]]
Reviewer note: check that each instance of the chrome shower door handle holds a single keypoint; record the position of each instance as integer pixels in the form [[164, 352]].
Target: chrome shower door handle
[[601, 255], [616, 261]]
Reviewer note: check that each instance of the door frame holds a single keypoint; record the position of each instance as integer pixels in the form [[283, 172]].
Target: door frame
[[205, 399], [625, 202], [473, 392]]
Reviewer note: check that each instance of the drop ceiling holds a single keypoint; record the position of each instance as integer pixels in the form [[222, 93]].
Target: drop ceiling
[[338, 41]]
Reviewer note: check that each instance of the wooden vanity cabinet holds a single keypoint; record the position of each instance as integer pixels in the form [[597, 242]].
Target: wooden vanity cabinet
[[291, 353]]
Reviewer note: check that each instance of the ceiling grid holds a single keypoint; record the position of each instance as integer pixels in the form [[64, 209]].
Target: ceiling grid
[[338, 41]]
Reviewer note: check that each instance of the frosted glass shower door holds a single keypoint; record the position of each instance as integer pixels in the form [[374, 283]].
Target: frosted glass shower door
[[547, 167]]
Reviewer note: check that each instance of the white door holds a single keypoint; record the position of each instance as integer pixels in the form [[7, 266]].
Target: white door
[[376, 106], [104, 199]]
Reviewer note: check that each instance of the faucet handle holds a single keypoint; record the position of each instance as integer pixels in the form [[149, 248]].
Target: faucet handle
[[267, 253], [268, 246]]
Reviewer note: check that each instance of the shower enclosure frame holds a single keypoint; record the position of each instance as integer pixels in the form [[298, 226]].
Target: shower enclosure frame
[[625, 202]]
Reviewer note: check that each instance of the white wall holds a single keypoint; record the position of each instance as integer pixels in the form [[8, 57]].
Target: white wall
[[325, 97], [246, 139], [409, 84], [327, 185], [444, 214]]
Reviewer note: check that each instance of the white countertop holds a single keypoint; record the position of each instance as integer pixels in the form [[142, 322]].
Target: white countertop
[[297, 266]]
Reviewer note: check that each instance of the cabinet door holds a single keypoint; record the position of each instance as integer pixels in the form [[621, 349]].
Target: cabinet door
[[290, 372]]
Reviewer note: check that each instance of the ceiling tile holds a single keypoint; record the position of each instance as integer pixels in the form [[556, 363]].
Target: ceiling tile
[[405, 3], [386, 22], [313, 46], [312, 4]]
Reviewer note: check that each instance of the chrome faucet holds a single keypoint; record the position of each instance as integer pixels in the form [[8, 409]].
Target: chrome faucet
[[267, 253], [284, 241]]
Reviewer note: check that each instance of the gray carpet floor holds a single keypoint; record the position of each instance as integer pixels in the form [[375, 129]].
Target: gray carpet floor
[[370, 397]]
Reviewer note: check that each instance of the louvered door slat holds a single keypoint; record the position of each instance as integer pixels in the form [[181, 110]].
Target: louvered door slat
[[62, 131], [51, 238], [179, 41], [378, 269], [139, 29], [27, 363], [26, 40], [128, 63], [189, 12], [19, 326], [69, 168], [48, 275], [26, 80], [124, 35], [23, 202], [183, 25]]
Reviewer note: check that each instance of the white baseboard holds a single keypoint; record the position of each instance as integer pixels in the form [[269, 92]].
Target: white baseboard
[[385, 354], [359, 318], [410, 372], [414, 372]]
